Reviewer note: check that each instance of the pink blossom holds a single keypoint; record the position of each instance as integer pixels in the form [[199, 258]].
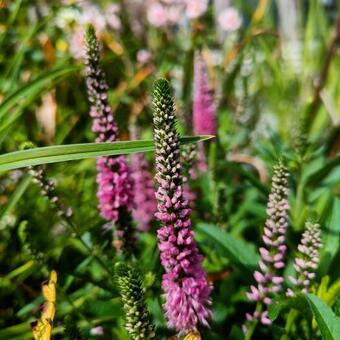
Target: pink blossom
[[174, 14], [157, 14], [195, 8], [112, 18], [115, 187], [144, 56], [229, 19], [91, 14], [76, 43], [97, 331]]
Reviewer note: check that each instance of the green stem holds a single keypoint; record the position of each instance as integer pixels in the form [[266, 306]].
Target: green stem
[[89, 249], [290, 321], [253, 324]]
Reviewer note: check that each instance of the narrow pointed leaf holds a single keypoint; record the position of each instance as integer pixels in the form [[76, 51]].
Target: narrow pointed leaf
[[238, 251], [328, 322], [15, 102], [63, 153]]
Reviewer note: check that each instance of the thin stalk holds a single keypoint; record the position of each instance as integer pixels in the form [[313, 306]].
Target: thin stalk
[[292, 315], [253, 324], [89, 249]]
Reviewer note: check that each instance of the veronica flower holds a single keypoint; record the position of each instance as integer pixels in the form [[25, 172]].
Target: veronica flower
[[138, 320], [308, 258], [269, 276], [185, 282], [195, 8], [115, 184]]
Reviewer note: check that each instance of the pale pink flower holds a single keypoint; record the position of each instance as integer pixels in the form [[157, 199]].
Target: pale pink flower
[[143, 56], [112, 18], [97, 331], [195, 8], [157, 15], [76, 43], [92, 15], [174, 14], [230, 19]]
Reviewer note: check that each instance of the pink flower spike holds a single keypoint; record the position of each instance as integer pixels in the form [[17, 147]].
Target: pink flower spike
[[185, 282]]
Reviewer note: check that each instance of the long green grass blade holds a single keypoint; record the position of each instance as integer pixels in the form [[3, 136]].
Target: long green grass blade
[[15, 197], [63, 153], [30, 90]]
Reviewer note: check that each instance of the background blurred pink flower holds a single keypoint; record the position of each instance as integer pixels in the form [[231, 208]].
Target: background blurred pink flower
[[157, 15], [143, 56], [92, 15], [112, 18], [97, 331], [76, 43], [230, 19], [174, 14], [195, 8]]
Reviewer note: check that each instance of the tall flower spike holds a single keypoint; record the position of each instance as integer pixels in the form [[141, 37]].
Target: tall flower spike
[[307, 259], [42, 329], [144, 189], [203, 110], [115, 184], [138, 321], [269, 276], [185, 282]]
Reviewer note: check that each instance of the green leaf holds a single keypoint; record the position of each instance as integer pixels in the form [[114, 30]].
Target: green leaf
[[15, 197], [19, 331], [283, 303], [275, 308], [238, 251], [320, 174], [328, 322], [63, 153], [246, 173], [307, 304], [24, 95], [331, 237]]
